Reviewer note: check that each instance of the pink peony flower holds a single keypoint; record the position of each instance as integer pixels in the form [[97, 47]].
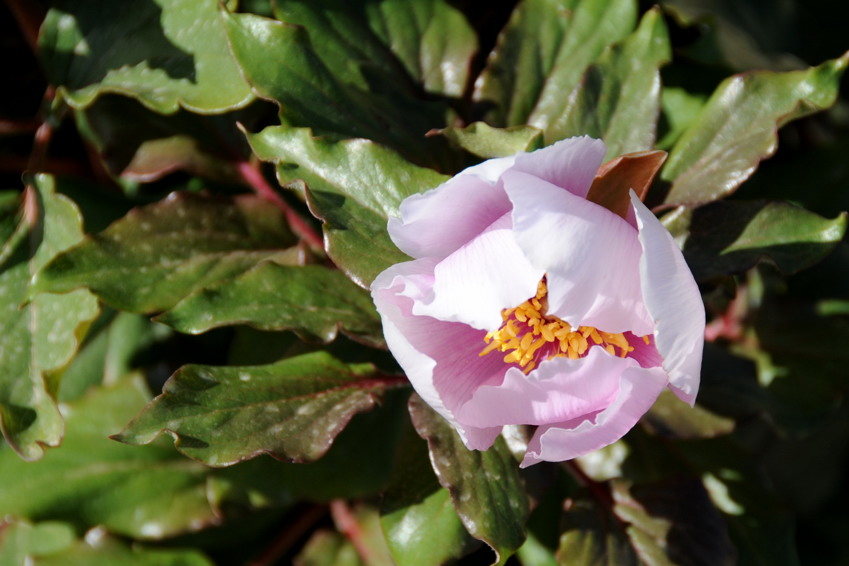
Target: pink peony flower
[[525, 303]]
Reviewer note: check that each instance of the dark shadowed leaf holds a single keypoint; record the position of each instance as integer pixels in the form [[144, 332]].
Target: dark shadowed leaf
[[671, 418], [292, 409], [40, 336], [101, 548], [593, 536], [158, 254], [353, 186], [485, 487], [738, 126], [138, 144], [313, 300], [542, 54], [730, 237], [673, 522], [167, 54], [618, 98], [146, 493]]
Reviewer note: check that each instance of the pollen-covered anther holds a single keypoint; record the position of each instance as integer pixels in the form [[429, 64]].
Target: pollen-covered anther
[[529, 335]]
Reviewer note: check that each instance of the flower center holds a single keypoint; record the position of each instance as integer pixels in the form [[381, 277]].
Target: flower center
[[529, 335]]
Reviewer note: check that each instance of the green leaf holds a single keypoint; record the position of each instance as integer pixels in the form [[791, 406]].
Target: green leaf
[[618, 98], [292, 409], [353, 187], [313, 300], [22, 539], [730, 237], [542, 54], [40, 336], [99, 548], [165, 53], [738, 128], [670, 417], [481, 139], [593, 536], [416, 510], [158, 254], [361, 70], [329, 548], [673, 522], [485, 487], [145, 493]]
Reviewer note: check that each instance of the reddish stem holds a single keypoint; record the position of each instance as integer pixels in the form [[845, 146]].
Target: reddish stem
[[290, 535], [347, 524], [253, 177]]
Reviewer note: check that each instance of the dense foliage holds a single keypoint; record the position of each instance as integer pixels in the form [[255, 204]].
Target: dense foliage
[[192, 370]]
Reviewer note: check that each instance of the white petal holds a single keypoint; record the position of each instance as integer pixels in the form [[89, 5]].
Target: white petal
[[559, 390], [639, 388], [475, 283], [673, 299], [570, 164], [435, 223], [590, 255]]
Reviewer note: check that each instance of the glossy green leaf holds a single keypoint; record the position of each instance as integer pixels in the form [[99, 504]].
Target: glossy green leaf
[[416, 510], [673, 522], [292, 409], [542, 54], [39, 336], [618, 98], [146, 493], [313, 300], [481, 139], [738, 128], [22, 540], [485, 487], [360, 70], [165, 53], [158, 254], [353, 187], [730, 237]]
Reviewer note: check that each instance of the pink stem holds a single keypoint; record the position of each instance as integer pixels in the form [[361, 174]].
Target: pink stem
[[347, 524]]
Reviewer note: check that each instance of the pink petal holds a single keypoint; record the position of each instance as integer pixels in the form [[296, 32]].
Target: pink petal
[[439, 358], [441, 220], [673, 299], [570, 164], [590, 255], [475, 283], [559, 390], [638, 390]]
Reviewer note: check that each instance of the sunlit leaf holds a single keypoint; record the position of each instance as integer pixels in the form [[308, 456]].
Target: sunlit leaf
[[39, 336], [292, 410], [353, 186], [485, 487], [542, 54], [314, 300], [481, 139], [618, 98], [22, 539], [165, 53], [361, 70], [158, 254], [738, 128]]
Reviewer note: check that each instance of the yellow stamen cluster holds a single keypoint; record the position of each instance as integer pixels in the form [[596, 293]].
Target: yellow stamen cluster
[[528, 334]]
